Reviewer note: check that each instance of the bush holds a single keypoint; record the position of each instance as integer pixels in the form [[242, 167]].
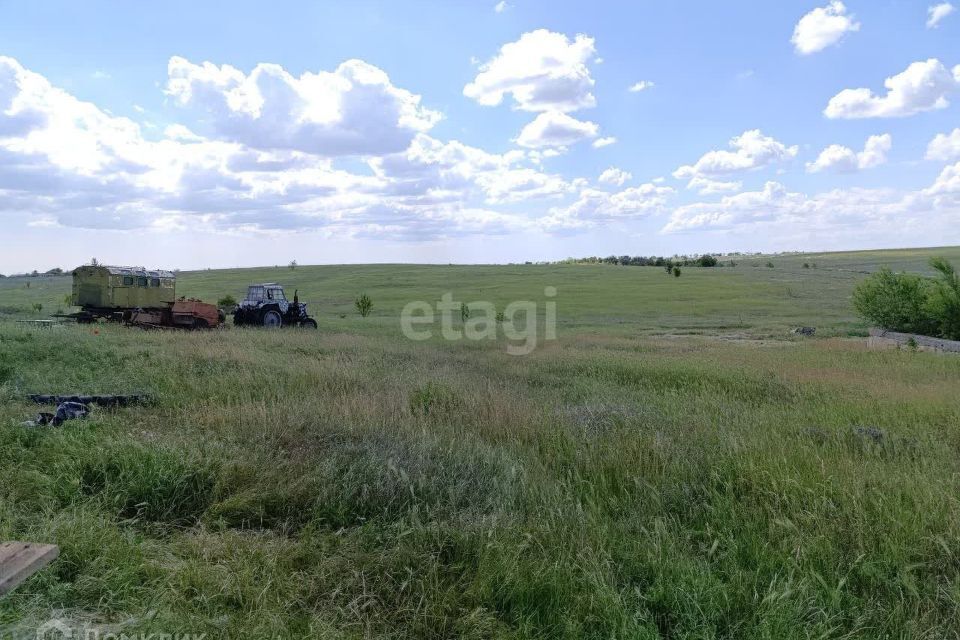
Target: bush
[[706, 261], [676, 272], [363, 305], [227, 301], [896, 301], [943, 303]]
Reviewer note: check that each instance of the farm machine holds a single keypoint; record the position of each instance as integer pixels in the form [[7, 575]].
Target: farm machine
[[267, 306], [138, 297]]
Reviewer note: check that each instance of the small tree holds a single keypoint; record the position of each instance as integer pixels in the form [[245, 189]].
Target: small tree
[[706, 261], [363, 305], [227, 301], [895, 301], [38, 307], [464, 312], [944, 299], [676, 272], [292, 265]]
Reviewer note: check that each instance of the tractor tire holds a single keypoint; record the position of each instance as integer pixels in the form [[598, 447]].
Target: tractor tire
[[309, 323], [272, 319]]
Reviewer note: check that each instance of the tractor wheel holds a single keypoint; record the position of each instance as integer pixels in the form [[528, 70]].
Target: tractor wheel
[[309, 323], [272, 320]]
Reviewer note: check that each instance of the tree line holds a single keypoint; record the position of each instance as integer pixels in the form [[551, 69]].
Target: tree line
[[705, 260]]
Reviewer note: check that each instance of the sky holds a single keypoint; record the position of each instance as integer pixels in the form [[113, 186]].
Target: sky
[[218, 134]]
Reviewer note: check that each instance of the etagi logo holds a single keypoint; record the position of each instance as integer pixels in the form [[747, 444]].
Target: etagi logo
[[480, 320]]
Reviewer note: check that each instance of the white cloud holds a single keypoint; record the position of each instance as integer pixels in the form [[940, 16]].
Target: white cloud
[[598, 206], [938, 12], [501, 6], [833, 218], [64, 162], [555, 129], [843, 159], [706, 186], [946, 188], [543, 71], [751, 150], [616, 176], [944, 146], [775, 204], [599, 143], [822, 27], [641, 86], [923, 86], [353, 110]]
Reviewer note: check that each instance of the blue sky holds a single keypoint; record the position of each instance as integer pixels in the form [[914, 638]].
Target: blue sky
[[219, 134]]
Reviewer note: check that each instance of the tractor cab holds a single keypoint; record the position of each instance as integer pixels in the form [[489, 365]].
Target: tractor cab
[[267, 292]]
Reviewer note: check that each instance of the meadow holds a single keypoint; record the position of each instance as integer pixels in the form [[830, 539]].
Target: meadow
[[676, 464]]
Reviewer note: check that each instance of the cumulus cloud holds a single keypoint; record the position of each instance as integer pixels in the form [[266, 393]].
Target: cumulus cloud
[[640, 86], [706, 186], [844, 214], [354, 110], [750, 150], [597, 206], [555, 129], [542, 71], [822, 27], [923, 86], [844, 160], [599, 143], [777, 204], [501, 6], [66, 162], [946, 188], [616, 176], [944, 146], [938, 12]]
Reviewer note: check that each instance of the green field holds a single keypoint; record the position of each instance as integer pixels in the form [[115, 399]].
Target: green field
[[676, 464]]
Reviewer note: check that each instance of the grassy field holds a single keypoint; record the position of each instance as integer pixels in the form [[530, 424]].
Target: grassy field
[[675, 465]]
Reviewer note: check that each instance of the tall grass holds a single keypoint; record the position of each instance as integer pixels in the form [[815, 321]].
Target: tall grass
[[325, 484]]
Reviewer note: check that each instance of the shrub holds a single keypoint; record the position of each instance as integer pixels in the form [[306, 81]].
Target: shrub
[[464, 312], [706, 261], [896, 301], [944, 299], [38, 307], [227, 301], [363, 305], [676, 272], [769, 264]]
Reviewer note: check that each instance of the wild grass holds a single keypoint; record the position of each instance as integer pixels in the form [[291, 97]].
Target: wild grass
[[614, 484]]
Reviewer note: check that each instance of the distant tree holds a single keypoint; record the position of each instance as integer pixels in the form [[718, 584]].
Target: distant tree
[[769, 264], [806, 265], [38, 307], [292, 265], [94, 262], [227, 301], [676, 272], [464, 312], [56, 271], [706, 261]]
